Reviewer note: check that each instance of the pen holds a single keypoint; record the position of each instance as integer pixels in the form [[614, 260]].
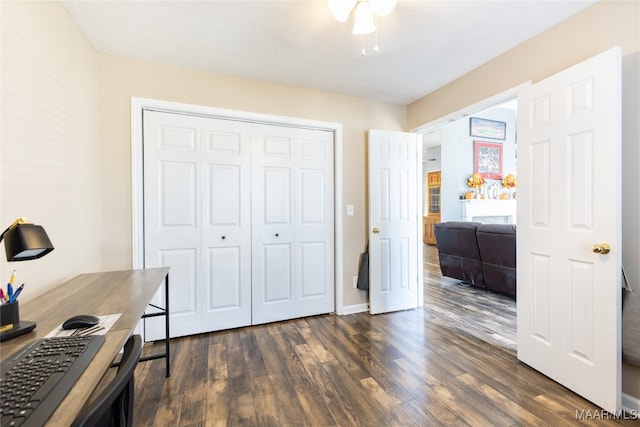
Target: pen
[[17, 293], [10, 292], [91, 330], [1, 296]]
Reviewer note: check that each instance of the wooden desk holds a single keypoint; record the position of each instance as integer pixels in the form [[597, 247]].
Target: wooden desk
[[127, 292]]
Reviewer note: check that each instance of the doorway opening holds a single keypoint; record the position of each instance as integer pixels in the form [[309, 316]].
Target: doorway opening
[[447, 148]]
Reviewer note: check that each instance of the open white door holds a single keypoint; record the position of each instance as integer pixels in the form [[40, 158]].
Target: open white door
[[569, 298], [393, 222]]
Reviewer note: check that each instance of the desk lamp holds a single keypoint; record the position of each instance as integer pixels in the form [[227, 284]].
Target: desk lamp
[[23, 241]]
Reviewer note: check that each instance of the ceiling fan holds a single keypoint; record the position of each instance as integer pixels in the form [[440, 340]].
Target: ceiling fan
[[364, 12]]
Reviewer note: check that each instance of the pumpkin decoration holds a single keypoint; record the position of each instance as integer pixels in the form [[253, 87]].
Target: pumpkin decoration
[[475, 181]]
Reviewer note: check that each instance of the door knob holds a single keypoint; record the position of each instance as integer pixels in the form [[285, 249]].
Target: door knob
[[601, 248], [376, 230]]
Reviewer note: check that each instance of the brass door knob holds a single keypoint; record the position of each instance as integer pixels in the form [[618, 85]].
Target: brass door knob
[[601, 248], [376, 230]]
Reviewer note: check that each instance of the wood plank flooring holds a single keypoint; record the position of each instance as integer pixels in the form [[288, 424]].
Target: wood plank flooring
[[451, 362]]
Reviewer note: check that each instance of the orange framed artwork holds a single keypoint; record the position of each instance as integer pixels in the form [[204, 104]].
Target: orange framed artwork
[[487, 159]]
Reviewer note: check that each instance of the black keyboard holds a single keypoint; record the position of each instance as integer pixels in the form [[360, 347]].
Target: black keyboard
[[37, 377]]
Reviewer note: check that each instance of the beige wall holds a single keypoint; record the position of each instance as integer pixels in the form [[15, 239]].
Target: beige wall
[[594, 30], [48, 146], [121, 79]]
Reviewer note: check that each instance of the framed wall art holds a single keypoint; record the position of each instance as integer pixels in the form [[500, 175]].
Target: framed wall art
[[487, 159], [483, 128]]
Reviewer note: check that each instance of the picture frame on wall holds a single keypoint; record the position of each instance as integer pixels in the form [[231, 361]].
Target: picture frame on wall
[[483, 128], [487, 159]]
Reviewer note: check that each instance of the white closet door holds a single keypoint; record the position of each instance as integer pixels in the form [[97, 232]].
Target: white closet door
[[197, 219], [226, 225], [313, 213], [172, 226], [292, 205], [243, 215]]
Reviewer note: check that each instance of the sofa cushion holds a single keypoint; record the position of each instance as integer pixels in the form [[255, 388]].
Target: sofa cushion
[[458, 251], [497, 245]]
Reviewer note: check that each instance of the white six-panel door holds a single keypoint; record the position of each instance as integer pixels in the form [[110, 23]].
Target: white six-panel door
[[222, 196], [197, 219], [393, 222], [226, 224], [568, 202], [292, 181]]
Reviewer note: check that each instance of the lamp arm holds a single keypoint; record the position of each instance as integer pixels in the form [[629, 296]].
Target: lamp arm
[[19, 221]]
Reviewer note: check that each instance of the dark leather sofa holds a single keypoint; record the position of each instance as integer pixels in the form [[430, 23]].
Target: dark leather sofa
[[483, 255], [458, 251]]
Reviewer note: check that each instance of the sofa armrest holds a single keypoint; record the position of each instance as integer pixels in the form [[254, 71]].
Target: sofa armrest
[[458, 251], [497, 245]]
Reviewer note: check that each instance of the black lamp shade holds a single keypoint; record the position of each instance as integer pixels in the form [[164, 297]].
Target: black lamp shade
[[25, 242]]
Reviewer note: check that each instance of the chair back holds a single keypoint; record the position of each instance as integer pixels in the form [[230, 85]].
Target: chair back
[[114, 405]]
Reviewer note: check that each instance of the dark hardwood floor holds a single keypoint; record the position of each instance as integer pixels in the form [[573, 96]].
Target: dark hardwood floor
[[486, 315], [451, 362]]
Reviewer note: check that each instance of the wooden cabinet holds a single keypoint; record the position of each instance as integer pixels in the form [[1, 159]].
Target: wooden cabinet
[[433, 203], [428, 221], [433, 179]]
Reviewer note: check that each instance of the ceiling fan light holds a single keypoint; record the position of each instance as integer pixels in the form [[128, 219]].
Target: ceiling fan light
[[383, 7], [340, 9], [364, 19]]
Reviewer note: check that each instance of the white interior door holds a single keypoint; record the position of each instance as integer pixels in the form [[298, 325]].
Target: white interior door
[[292, 215], [393, 221], [569, 298], [172, 191], [197, 220], [226, 224]]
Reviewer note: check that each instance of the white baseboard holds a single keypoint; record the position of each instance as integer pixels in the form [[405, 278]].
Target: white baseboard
[[353, 309], [630, 403]]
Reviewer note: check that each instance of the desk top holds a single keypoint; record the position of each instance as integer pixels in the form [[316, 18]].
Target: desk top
[[128, 292]]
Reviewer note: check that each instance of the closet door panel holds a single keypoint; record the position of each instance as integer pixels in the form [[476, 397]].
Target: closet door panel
[[312, 260], [273, 228], [314, 225], [226, 230], [184, 299], [292, 196], [277, 278], [172, 189]]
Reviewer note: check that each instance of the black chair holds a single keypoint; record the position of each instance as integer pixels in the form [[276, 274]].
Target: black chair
[[114, 405]]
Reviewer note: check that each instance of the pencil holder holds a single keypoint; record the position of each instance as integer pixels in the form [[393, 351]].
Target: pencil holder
[[9, 314]]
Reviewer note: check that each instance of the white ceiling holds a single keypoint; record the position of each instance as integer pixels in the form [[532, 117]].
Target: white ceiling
[[424, 44]]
